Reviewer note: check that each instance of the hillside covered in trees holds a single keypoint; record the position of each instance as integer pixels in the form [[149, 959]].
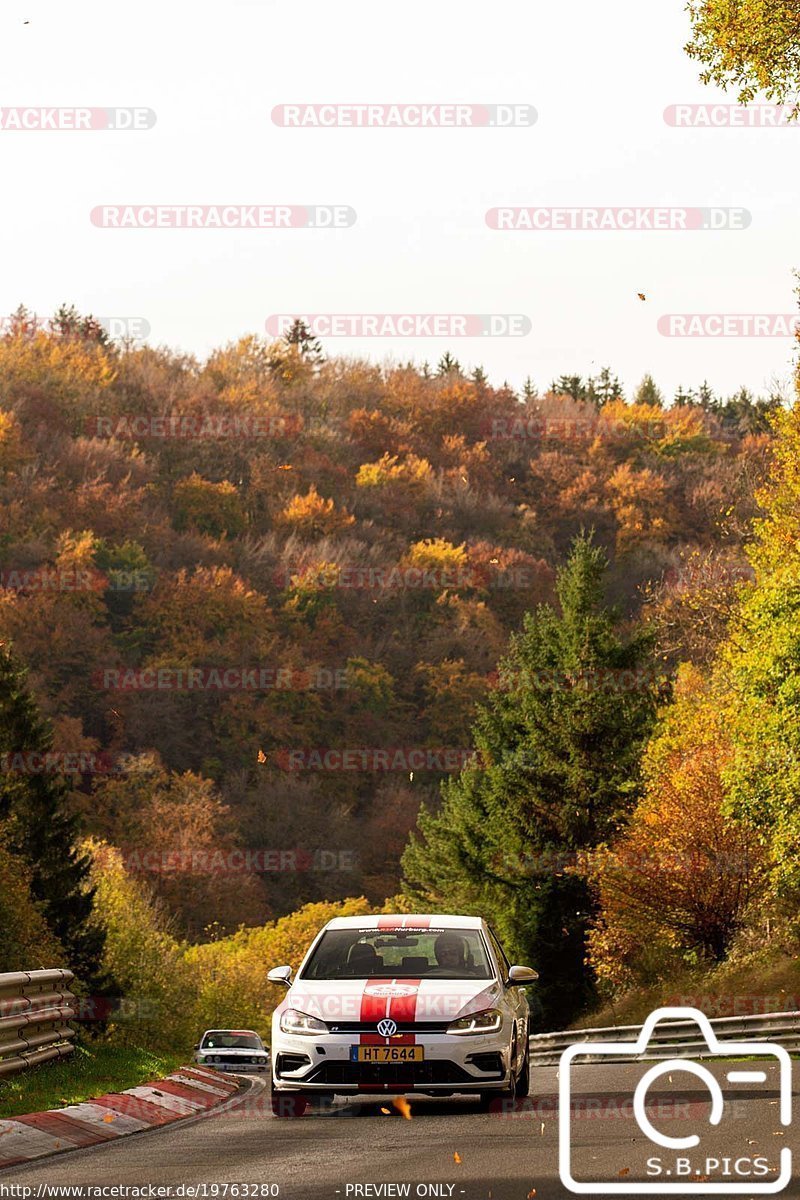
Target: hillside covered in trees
[[224, 576]]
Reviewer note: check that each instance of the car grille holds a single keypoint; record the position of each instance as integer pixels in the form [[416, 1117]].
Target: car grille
[[392, 1074], [419, 1027], [238, 1060]]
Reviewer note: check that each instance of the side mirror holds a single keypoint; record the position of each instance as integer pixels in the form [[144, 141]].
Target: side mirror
[[197, 1045], [281, 975], [517, 975]]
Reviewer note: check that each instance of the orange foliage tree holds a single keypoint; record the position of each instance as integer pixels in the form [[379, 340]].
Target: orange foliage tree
[[677, 884]]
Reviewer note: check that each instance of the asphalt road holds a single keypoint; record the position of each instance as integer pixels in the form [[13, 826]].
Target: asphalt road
[[467, 1154]]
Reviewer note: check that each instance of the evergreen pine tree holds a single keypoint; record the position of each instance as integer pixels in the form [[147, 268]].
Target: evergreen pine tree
[[558, 744], [298, 334], [448, 365], [67, 322], [683, 398], [569, 385], [706, 398], [648, 393], [40, 828], [607, 387]]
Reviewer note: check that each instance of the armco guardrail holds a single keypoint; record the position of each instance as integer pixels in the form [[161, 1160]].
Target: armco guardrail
[[35, 1008], [671, 1038]]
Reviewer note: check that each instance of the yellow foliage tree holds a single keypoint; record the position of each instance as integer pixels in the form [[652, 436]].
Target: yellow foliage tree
[[313, 516], [388, 469], [72, 372], [680, 879], [640, 504], [212, 508]]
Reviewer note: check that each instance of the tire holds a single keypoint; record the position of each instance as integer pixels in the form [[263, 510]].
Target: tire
[[518, 1088], [289, 1105], [524, 1077]]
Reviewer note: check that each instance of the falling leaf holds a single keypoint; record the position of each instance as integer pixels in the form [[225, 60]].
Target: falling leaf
[[411, 776], [402, 1106], [531, 1193], [542, 1129], [262, 758], [386, 1110], [285, 467], [624, 1171], [641, 295], [456, 1156]]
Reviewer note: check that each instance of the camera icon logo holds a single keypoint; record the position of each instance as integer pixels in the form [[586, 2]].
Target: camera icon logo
[[678, 1171]]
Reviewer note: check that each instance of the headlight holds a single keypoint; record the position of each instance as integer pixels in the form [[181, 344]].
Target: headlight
[[293, 1021], [488, 1021]]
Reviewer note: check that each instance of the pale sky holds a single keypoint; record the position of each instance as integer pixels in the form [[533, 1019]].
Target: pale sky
[[599, 76]]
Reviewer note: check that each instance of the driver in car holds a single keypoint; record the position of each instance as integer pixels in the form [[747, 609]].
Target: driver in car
[[451, 955]]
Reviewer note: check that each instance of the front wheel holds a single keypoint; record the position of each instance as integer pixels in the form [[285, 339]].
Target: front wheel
[[524, 1077]]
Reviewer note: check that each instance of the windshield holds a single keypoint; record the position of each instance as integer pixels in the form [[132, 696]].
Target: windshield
[[225, 1039], [399, 954]]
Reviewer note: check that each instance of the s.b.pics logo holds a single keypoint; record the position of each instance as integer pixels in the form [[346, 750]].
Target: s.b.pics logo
[[697, 1138]]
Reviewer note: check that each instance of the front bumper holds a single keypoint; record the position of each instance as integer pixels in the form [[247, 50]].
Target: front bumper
[[461, 1063]]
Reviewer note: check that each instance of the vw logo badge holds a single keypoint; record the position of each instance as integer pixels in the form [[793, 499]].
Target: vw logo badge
[[387, 1028]]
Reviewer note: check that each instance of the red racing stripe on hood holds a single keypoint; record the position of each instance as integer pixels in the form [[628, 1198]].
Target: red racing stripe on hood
[[377, 1002]]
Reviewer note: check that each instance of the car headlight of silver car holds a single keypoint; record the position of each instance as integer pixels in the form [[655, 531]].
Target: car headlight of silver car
[[294, 1021], [488, 1021]]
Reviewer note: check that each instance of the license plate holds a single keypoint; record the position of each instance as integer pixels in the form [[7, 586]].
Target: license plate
[[387, 1054]]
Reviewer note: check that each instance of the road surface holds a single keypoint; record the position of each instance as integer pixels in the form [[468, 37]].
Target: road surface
[[448, 1148]]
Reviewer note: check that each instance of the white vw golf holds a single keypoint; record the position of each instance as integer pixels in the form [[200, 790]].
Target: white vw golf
[[401, 1004]]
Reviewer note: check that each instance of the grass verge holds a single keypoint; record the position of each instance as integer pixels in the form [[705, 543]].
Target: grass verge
[[760, 983], [90, 1071]]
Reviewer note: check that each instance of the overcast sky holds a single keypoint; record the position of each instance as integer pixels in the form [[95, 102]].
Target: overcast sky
[[599, 76]]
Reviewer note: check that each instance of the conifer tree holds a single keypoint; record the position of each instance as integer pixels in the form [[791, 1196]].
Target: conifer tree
[[39, 827], [558, 746]]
